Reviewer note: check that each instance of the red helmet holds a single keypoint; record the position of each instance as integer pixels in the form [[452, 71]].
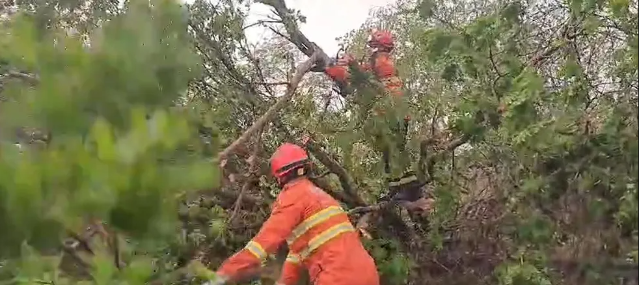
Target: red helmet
[[381, 39], [286, 158]]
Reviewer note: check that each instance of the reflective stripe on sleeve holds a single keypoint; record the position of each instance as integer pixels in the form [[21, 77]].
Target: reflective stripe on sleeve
[[256, 249], [293, 258]]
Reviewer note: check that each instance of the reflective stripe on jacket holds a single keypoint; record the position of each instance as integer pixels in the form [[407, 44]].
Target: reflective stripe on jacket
[[317, 229]]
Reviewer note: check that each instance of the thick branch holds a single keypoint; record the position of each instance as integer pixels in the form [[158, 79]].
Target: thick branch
[[296, 36], [302, 69], [232, 196], [430, 160], [348, 185], [368, 209], [30, 78], [323, 183]]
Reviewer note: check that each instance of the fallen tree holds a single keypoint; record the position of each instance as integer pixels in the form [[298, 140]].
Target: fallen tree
[[533, 170]]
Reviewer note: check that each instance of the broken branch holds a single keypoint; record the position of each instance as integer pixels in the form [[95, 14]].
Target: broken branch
[[296, 36], [427, 163], [253, 169], [29, 78]]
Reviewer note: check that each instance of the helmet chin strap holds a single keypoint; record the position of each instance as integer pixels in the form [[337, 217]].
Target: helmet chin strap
[[300, 172]]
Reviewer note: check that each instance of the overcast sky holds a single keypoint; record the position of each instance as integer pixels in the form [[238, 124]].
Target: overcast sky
[[325, 19]]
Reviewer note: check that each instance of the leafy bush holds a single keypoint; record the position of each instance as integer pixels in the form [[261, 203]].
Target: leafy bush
[[116, 153]]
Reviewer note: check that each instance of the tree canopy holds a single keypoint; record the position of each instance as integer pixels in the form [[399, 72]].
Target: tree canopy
[[135, 137]]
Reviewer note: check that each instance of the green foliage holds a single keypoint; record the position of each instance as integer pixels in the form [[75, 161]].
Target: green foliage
[[116, 151], [129, 46], [393, 265], [426, 8], [545, 93], [521, 273]]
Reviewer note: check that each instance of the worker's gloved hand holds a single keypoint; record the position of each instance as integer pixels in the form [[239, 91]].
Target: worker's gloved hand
[[219, 280]]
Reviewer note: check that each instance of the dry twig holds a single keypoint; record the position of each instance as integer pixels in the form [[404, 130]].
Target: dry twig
[[253, 169]]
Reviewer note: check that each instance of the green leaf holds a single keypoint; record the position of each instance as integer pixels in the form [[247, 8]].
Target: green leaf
[[199, 270], [426, 8], [104, 269], [139, 270], [104, 140], [619, 7]]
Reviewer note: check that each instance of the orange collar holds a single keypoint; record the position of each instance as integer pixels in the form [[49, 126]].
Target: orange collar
[[295, 182]]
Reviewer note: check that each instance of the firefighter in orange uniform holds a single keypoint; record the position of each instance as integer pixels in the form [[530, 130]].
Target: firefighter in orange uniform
[[381, 62], [390, 135], [403, 184], [317, 230]]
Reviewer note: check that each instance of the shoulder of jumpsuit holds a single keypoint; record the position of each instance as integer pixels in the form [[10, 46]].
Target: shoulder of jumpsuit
[[292, 193]]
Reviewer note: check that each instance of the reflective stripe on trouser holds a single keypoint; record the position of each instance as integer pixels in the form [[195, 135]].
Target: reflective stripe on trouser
[[320, 240]]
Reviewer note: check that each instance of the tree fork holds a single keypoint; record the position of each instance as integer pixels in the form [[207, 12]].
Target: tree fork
[[296, 36]]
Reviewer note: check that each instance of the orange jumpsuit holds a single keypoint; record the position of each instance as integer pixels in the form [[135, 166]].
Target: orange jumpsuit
[[339, 72], [320, 238], [382, 65], [384, 70]]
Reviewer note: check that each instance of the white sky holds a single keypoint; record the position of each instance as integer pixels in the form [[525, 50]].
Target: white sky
[[325, 19]]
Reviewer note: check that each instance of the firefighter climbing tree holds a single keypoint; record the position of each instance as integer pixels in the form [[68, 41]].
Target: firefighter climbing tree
[[483, 142]]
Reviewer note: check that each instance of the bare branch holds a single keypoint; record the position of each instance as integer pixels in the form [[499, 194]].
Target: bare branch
[[253, 172], [302, 69], [29, 78], [259, 23], [368, 209]]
